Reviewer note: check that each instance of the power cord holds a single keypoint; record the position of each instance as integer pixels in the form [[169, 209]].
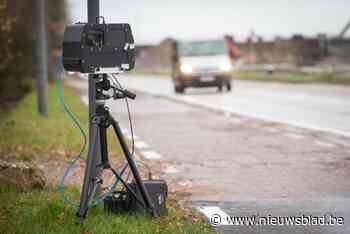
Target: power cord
[[94, 201], [116, 81], [72, 162]]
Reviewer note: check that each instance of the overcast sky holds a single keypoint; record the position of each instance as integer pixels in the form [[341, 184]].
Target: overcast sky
[[153, 20]]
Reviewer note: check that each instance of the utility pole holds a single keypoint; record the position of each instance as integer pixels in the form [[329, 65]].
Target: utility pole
[[92, 169], [42, 83], [93, 13], [100, 120]]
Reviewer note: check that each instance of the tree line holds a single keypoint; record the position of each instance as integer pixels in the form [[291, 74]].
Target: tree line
[[19, 41]]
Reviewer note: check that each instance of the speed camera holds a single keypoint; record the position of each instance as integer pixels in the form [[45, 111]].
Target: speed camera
[[98, 48]]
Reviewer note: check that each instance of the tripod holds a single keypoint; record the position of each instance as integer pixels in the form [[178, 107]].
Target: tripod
[[100, 123]]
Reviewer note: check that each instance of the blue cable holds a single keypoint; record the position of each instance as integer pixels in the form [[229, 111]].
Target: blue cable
[[71, 163], [82, 149]]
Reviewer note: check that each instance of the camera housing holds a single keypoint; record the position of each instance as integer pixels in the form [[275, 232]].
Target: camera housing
[[98, 48]]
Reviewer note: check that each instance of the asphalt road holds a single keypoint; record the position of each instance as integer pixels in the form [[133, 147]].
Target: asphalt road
[[320, 107], [234, 165]]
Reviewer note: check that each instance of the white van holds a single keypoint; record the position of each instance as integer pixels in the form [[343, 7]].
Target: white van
[[201, 64]]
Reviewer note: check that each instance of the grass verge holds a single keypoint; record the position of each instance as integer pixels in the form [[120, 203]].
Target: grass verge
[[43, 212], [25, 133], [24, 127]]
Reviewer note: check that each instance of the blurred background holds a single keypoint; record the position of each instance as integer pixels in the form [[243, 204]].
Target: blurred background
[[19, 47], [279, 137], [296, 36]]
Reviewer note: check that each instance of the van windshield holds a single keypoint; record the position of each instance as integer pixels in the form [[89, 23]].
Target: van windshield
[[202, 48]]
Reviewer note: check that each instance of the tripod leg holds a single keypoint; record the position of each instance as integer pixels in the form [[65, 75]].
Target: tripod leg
[[104, 148], [133, 167], [88, 180]]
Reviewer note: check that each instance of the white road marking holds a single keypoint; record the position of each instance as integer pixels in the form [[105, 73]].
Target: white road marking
[[141, 144], [151, 155], [129, 136], [213, 211], [125, 131], [294, 136], [324, 144], [171, 170], [85, 100]]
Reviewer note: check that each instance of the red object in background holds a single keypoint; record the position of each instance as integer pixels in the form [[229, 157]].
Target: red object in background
[[234, 52]]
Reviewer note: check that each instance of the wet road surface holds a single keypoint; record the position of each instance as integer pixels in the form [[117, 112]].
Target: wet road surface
[[320, 107], [242, 166]]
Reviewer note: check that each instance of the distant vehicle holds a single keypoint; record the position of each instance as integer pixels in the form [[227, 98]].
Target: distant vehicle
[[201, 64]]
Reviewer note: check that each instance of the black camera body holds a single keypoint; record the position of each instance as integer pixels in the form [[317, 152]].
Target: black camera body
[[98, 48]]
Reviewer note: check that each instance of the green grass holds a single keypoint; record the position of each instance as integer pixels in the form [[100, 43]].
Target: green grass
[[43, 212], [24, 127], [293, 76], [25, 133]]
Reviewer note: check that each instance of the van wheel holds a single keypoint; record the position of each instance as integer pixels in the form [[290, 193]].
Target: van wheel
[[220, 88], [179, 89], [228, 86]]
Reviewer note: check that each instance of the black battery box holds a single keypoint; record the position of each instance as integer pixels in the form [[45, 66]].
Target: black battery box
[[123, 201], [158, 193], [117, 203]]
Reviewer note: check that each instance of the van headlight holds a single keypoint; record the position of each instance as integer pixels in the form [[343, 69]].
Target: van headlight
[[186, 68], [225, 66]]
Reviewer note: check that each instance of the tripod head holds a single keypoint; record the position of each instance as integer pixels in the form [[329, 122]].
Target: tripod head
[[108, 87]]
